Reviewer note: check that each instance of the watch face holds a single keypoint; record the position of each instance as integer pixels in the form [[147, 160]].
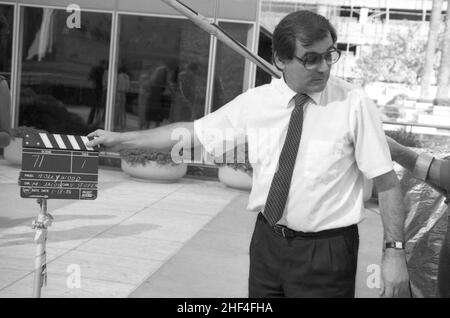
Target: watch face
[[395, 244]]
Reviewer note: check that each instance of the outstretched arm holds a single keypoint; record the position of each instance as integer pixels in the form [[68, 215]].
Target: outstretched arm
[[160, 138], [431, 172]]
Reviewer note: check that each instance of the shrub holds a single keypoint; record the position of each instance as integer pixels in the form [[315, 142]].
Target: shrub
[[142, 156], [405, 138], [398, 60], [230, 159]]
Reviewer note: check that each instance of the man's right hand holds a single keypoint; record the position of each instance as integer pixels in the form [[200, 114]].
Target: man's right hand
[[109, 140]]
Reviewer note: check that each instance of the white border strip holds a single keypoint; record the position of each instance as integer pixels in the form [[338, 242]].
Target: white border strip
[[45, 140], [74, 142], [60, 141]]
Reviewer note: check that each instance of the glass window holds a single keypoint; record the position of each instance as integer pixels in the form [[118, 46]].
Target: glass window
[[346, 11], [229, 78], [230, 66], [6, 26], [63, 69], [265, 51], [162, 72]]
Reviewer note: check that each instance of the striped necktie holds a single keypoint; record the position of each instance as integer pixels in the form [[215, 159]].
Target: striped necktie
[[279, 189]]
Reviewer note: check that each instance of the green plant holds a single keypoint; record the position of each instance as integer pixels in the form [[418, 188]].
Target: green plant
[[142, 156], [405, 138], [398, 60], [22, 131], [233, 159]]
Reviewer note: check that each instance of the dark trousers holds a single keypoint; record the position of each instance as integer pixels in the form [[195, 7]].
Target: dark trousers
[[444, 266], [321, 264]]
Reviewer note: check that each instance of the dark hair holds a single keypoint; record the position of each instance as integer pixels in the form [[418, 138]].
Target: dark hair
[[304, 26]]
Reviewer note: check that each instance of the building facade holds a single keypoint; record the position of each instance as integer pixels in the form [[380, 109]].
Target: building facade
[[358, 23], [121, 65], [125, 65]]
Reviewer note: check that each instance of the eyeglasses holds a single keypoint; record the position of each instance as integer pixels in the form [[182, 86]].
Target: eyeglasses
[[313, 60]]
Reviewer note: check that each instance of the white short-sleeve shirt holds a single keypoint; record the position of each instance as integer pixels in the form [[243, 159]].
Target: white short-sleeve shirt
[[342, 140]]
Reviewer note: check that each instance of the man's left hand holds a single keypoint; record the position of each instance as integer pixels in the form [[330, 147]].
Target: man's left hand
[[394, 274]]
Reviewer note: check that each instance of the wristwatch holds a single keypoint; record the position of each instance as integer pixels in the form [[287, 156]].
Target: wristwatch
[[398, 245]]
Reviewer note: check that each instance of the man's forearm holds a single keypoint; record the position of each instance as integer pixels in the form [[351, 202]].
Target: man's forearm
[[393, 213], [161, 138], [405, 157], [392, 209]]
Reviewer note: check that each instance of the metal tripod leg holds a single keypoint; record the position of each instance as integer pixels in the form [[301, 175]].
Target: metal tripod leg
[[43, 221]]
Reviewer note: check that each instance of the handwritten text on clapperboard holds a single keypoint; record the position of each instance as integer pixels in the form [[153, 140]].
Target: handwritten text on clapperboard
[[58, 167]]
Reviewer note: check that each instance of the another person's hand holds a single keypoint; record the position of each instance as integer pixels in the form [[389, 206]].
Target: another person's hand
[[394, 274], [109, 140]]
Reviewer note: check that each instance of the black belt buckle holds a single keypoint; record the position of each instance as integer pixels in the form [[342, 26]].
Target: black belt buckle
[[283, 231]]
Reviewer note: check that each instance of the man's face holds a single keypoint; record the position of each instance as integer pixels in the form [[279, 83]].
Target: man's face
[[302, 80]]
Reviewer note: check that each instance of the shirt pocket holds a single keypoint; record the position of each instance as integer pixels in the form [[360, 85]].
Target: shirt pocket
[[322, 160]]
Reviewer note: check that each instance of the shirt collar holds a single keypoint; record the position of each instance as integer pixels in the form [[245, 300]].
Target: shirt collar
[[287, 93]]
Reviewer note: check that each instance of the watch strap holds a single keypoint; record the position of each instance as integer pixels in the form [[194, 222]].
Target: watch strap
[[422, 166]]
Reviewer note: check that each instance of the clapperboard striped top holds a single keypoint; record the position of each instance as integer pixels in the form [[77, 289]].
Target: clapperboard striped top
[[56, 141]]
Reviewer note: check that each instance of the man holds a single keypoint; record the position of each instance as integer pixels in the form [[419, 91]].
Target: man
[[435, 172], [309, 190]]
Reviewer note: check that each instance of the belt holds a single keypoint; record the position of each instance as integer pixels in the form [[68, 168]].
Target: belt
[[289, 233]]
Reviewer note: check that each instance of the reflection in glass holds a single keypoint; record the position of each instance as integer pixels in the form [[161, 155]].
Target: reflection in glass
[[63, 70], [230, 66], [162, 72], [6, 25]]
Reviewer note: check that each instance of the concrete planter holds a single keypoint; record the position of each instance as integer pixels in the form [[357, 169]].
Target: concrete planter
[[235, 178], [13, 152], [155, 172]]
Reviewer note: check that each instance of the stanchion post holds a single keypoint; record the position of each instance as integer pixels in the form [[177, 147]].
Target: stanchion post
[[43, 221]]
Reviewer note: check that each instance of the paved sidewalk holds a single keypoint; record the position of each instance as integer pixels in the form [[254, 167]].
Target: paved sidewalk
[[117, 241], [214, 263], [141, 239]]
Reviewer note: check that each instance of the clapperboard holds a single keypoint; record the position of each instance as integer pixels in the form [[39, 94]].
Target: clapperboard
[[58, 167]]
